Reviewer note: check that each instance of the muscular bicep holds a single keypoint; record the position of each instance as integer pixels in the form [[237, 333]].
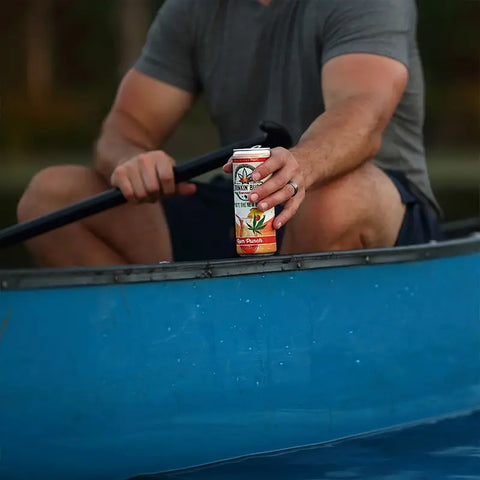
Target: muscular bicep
[[376, 81], [147, 110]]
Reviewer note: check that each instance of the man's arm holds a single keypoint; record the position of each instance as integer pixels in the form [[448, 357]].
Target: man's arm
[[144, 114], [361, 92]]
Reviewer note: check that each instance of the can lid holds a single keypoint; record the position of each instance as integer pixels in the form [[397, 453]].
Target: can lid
[[256, 151]]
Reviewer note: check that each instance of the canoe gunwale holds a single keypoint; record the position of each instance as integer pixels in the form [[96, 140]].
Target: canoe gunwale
[[23, 279]]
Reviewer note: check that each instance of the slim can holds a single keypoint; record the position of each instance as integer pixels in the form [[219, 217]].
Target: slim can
[[254, 230]]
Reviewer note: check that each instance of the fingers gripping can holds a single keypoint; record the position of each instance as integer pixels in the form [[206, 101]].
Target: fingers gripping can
[[253, 228]]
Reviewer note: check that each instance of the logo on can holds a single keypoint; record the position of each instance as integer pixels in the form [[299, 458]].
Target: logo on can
[[254, 230]]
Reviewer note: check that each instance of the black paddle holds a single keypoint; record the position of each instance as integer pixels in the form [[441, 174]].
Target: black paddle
[[274, 135]]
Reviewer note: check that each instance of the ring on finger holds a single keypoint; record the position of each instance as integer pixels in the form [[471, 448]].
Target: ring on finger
[[294, 186]]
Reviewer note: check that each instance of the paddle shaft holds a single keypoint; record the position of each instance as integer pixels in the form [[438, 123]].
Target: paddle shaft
[[274, 135]]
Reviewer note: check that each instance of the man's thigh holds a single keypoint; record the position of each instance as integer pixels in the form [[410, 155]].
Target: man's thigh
[[129, 233], [362, 209]]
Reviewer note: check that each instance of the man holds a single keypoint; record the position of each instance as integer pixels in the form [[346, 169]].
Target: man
[[343, 76]]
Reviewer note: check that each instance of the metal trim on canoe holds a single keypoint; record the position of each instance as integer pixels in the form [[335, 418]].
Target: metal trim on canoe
[[73, 277]]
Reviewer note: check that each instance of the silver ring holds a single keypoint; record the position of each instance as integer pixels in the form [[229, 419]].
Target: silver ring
[[295, 187]]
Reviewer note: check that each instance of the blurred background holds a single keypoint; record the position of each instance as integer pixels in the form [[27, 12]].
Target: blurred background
[[62, 61]]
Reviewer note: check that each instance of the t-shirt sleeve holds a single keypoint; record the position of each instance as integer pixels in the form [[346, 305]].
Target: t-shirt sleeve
[[380, 27], [168, 54]]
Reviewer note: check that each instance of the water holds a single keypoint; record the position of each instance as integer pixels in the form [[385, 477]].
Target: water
[[441, 450]]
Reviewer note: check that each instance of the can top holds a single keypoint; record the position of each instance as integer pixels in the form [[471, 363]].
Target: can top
[[256, 151]]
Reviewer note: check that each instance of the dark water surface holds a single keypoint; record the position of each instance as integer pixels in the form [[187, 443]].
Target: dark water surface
[[440, 450]]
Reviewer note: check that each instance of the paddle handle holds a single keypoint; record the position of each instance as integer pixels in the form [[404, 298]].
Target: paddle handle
[[274, 135]]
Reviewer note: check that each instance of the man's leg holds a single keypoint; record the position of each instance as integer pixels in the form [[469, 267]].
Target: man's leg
[[123, 235], [363, 209]]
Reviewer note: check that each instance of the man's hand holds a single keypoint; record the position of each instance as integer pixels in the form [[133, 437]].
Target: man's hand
[[283, 168], [149, 176]]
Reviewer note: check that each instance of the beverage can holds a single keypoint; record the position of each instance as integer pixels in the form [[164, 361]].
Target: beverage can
[[254, 230]]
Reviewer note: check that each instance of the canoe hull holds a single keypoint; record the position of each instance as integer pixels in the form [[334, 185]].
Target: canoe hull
[[112, 381]]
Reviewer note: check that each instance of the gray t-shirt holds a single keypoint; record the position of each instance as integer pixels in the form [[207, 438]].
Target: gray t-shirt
[[257, 63]]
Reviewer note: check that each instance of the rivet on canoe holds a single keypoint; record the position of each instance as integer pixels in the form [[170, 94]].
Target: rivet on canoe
[[367, 259]]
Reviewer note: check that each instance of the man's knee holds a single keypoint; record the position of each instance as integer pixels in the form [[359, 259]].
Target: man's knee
[[360, 210], [55, 187], [326, 222]]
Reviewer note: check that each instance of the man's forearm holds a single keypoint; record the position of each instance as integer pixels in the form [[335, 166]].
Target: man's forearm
[[340, 140], [121, 139]]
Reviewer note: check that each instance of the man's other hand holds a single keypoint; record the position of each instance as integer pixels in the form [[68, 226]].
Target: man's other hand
[[149, 176]]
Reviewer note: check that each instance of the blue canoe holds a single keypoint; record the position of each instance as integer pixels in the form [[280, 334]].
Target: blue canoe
[[116, 372]]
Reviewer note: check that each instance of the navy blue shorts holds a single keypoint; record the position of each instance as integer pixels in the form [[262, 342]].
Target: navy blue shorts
[[202, 225], [420, 223]]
